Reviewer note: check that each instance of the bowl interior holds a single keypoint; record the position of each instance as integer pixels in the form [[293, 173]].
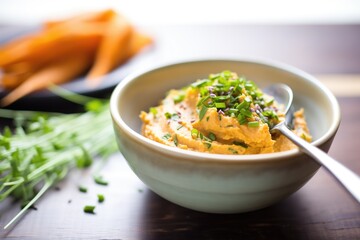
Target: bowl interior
[[141, 91]]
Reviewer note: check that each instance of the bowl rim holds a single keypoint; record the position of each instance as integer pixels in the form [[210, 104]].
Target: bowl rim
[[203, 156]]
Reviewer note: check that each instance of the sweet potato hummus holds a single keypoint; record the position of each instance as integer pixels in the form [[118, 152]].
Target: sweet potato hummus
[[223, 114]]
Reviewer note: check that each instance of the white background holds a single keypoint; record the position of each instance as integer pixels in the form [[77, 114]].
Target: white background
[[162, 12]]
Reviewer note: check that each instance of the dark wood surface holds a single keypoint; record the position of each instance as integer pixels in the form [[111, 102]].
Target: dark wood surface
[[319, 210]]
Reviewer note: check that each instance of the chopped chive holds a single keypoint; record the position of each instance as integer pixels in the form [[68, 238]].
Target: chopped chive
[[89, 209], [167, 115], [101, 198], [201, 136], [176, 142], [220, 105], [166, 136], [241, 119], [269, 102], [153, 110], [242, 144], [207, 118], [202, 112], [199, 83], [194, 133], [212, 136], [99, 180], [233, 110], [233, 151], [246, 112], [207, 144], [179, 127], [222, 98], [82, 189], [202, 101], [253, 124], [179, 98]]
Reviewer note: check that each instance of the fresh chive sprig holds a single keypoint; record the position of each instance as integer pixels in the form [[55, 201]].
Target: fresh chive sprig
[[44, 146]]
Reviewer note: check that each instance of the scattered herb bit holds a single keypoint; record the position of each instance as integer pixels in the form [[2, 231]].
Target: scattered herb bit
[[202, 112], [140, 190], [166, 136], [212, 136], [83, 189], [179, 98], [201, 136], [100, 180], [179, 127], [173, 116], [207, 118], [207, 144], [153, 110], [167, 115], [220, 105], [101, 198], [194, 133], [69, 201], [242, 144], [253, 124], [269, 102], [176, 140], [233, 151], [89, 209], [200, 83]]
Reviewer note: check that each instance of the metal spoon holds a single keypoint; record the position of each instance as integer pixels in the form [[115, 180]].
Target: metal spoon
[[351, 181]]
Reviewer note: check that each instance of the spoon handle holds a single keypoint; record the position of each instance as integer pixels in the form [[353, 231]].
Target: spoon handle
[[346, 177]]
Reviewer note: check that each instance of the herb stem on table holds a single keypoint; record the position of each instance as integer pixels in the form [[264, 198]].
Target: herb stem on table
[[44, 146]]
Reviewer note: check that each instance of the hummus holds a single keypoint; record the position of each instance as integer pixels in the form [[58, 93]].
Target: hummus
[[223, 114]]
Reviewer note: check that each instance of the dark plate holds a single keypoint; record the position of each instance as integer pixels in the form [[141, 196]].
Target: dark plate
[[46, 100]]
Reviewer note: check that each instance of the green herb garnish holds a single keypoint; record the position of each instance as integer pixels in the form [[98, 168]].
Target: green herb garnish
[[202, 112], [101, 198], [179, 98], [168, 115], [100, 180], [179, 127], [236, 97], [233, 151], [153, 110], [173, 116], [89, 209], [242, 144], [212, 136], [176, 142], [220, 105], [207, 144], [82, 189], [253, 124], [166, 136], [194, 133]]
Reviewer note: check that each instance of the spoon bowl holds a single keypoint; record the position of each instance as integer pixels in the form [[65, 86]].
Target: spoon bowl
[[284, 96]]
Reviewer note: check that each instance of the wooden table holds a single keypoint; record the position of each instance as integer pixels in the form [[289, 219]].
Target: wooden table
[[320, 210]]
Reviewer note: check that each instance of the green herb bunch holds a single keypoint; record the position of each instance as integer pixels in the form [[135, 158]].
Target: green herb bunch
[[235, 97], [43, 147]]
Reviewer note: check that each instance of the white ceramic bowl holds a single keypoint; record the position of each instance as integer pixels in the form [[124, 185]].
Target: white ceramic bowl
[[213, 182]]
